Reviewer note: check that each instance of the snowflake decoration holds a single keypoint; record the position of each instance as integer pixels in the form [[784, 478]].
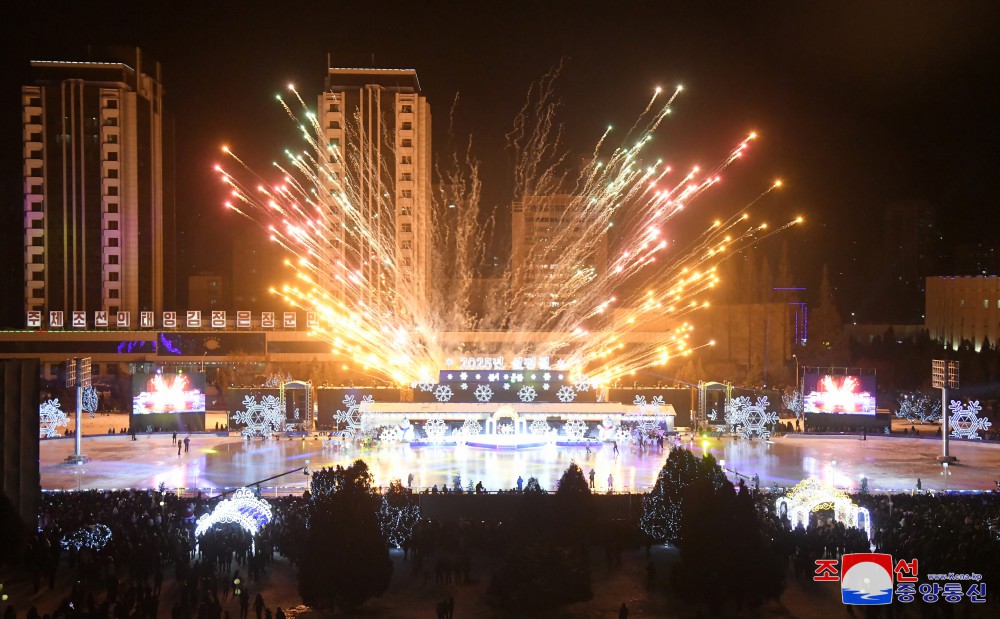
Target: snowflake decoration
[[464, 386], [484, 393], [436, 430], [583, 385], [527, 393], [575, 428], [506, 385], [566, 394], [352, 417], [647, 416], [471, 427], [539, 427], [90, 401], [965, 421], [545, 386], [751, 418], [391, 434], [464, 376], [263, 419], [713, 415], [425, 386], [443, 393], [51, 418], [624, 436]]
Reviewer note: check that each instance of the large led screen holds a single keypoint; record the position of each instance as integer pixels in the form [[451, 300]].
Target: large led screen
[[168, 393], [839, 394]]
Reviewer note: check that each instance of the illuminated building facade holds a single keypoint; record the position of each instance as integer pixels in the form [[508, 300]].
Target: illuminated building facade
[[961, 309], [381, 125], [98, 202]]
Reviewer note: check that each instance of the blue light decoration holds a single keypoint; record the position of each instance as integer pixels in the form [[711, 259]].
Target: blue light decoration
[[95, 537]]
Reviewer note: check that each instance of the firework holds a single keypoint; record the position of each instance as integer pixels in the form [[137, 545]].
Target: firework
[[343, 253]]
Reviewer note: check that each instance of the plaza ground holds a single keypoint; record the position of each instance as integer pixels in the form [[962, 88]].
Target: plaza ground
[[219, 461]]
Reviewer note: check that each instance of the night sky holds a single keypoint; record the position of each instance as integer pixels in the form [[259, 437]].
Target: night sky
[[859, 105]]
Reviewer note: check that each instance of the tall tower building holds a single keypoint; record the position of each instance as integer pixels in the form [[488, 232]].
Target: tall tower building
[[98, 201], [378, 131]]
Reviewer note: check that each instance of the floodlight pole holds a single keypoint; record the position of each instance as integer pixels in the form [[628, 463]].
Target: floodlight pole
[[944, 374], [945, 456], [78, 381]]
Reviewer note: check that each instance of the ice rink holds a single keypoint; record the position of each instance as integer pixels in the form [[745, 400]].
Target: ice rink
[[216, 462]]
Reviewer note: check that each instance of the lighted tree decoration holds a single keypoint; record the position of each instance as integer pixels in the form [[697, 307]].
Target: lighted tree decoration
[[90, 400], [398, 514], [663, 507], [343, 529]]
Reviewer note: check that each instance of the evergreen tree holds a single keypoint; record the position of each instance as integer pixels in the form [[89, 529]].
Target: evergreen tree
[[344, 535], [663, 507], [398, 514]]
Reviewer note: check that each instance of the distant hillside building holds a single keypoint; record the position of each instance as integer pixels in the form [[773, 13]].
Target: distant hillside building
[[963, 308], [98, 186]]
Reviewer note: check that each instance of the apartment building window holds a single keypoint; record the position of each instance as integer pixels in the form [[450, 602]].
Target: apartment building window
[[407, 109], [36, 207], [113, 242], [334, 107], [37, 276], [406, 176], [113, 224], [113, 293], [36, 224], [37, 293], [407, 262], [407, 126], [112, 138], [407, 143], [111, 104], [112, 207], [407, 227], [407, 193], [113, 276], [335, 142], [111, 121], [335, 124], [34, 101], [112, 155], [404, 211], [36, 241], [407, 245], [113, 259], [406, 159], [113, 173], [113, 190], [35, 136], [37, 259]]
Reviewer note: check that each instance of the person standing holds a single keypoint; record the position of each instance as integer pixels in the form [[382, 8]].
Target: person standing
[[409, 481], [173, 438], [187, 444], [520, 484], [179, 445], [919, 485], [593, 476], [623, 611]]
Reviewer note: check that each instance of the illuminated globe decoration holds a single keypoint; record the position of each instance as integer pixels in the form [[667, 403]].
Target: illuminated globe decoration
[[260, 419], [244, 509], [965, 421], [810, 496], [751, 418], [51, 418], [575, 428], [95, 537]]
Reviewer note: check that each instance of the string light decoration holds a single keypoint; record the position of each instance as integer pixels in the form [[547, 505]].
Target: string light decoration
[[436, 430], [263, 419], [95, 537], [90, 401], [965, 421], [749, 419], [244, 509], [811, 496], [51, 418]]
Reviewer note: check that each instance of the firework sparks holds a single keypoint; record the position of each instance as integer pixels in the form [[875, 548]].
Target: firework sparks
[[343, 252]]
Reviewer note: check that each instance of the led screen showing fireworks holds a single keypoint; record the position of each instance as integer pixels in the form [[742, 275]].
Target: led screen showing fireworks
[[168, 393], [839, 394]]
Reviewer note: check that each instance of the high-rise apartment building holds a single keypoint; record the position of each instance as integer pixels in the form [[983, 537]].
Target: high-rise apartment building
[[378, 131], [98, 212]]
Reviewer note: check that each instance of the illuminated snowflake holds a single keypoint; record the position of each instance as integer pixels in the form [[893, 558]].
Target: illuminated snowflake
[[965, 421], [575, 428], [506, 385], [484, 393], [647, 416], [443, 393], [539, 427], [545, 386], [90, 401], [391, 434], [751, 418], [624, 436], [51, 418], [583, 385], [471, 427], [425, 386], [436, 430], [566, 394], [527, 393], [352, 417], [464, 386], [263, 419]]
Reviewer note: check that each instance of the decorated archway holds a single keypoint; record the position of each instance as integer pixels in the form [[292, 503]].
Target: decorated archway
[[244, 509], [506, 412], [810, 496]]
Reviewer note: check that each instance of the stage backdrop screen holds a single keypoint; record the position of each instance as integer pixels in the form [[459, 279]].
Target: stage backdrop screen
[[839, 394], [168, 393]]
